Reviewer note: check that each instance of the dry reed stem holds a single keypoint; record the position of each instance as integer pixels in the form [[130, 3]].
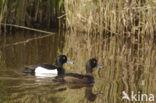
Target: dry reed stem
[[28, 28], [26, 41], [113, 17]]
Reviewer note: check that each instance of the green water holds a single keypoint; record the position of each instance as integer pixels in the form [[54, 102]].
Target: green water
[[129, 65]]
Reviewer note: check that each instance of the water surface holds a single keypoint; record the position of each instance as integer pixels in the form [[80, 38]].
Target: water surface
[[129, 65]]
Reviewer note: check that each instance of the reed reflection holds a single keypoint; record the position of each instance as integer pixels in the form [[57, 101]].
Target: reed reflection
[[129, 63]]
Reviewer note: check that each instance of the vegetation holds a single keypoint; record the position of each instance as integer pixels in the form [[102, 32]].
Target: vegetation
[[112, 16], [31, 13], [128, 55]]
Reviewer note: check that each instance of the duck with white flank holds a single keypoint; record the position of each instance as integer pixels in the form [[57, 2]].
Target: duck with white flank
[[48, 70]]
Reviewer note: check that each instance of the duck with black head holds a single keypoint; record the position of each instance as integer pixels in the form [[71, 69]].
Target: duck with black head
[[48, 70], [79, 78]]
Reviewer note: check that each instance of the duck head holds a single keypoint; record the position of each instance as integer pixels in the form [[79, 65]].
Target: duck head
[[91, 64], [60, 60]]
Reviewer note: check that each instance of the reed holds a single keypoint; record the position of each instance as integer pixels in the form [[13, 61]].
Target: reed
[[40, 14], [119, 17], [113, 17]]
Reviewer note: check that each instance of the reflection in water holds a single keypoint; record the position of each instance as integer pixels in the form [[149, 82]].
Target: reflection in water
[[129, 65], [89, 95], [16, 87], [36, 51]]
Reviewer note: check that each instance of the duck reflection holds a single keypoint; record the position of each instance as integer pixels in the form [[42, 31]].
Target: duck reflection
[[89, 95]]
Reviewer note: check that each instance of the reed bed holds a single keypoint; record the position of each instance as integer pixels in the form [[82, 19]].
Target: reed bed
[[112, 17], [119, 17], [40, 14]]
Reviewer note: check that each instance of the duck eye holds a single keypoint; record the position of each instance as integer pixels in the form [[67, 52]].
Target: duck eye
[[64, 58], [94, 62]]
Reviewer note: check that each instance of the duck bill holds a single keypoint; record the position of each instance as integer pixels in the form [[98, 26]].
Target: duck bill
[[99, 66], [70, 62]]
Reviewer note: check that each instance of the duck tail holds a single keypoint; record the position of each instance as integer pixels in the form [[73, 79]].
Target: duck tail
[[28, 70]]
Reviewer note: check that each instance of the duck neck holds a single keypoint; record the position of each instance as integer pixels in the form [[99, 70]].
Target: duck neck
[[89, 70], [58, 64], [89, 74]]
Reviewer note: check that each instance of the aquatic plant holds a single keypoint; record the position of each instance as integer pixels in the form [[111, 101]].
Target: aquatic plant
[[31, 13], [112, 17]]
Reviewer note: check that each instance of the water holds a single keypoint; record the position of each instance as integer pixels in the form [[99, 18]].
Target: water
[[129, 65]]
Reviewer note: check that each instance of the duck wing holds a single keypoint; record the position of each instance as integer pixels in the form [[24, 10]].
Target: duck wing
[[29, 69], [74, 78], [48, 66]]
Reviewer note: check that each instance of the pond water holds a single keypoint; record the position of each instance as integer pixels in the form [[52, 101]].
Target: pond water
[[129, 67]]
